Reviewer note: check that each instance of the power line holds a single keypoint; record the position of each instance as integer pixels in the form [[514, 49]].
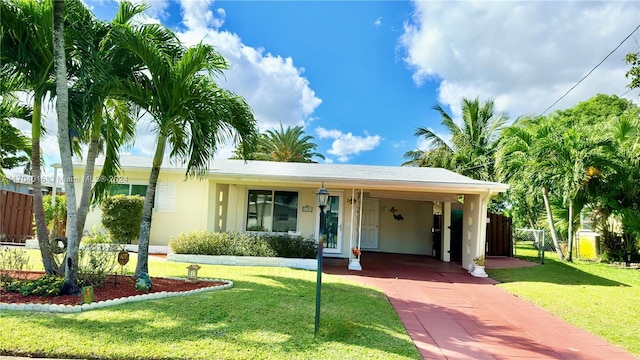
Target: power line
[[592, 70]]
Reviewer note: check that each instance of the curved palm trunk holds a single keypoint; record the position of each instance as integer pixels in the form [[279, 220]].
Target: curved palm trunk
[[552, 227], [70, 285], [145, 223], [92, 154], [42, 232]]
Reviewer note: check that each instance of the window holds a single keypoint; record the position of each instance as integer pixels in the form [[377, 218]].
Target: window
[[127, 189], [272, 211]]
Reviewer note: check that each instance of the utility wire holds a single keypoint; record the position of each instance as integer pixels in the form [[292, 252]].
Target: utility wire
[[592, 70]]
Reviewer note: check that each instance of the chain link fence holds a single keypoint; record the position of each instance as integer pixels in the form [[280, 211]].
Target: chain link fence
[[532, 242]]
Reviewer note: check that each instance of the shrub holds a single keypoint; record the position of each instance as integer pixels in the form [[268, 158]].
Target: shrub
[[238, 244], [121, 217], [56, 216], [12, 260], [220, 243], [45, 286], [95, 262], [96, 236], [292, 246]]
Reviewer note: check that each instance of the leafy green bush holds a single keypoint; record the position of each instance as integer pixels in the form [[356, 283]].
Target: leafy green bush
[[56, 215], [292, 246], [220, 243], [121, 217], [12, 260], [238, 244], [95, 262], [96, 236], [44, 286]]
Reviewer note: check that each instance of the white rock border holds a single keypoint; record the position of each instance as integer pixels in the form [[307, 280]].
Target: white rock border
[[55, 308]]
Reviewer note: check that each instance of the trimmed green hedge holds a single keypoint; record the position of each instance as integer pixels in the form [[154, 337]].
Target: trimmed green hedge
[[121, 217], [237, 244]]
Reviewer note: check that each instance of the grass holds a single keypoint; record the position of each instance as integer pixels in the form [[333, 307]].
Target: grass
[[596, 297], [268, 314]]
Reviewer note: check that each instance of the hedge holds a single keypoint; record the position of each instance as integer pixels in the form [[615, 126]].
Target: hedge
[[121, 217], [238, 244]]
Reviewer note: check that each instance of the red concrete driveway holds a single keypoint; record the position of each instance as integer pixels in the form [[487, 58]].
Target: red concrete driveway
[[451, 315]]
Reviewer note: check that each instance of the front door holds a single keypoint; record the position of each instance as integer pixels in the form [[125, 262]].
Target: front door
[[333, 221], [370, 219]]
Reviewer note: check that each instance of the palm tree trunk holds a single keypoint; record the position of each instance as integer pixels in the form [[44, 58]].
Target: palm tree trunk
[[570, 232], [70, 285], [42, 232], [92, 154], [552, 227], [145, 223]]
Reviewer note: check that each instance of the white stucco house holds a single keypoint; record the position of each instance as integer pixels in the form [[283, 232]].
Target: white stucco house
[[374, 208]]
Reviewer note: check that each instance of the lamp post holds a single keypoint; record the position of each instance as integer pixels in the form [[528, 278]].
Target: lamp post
[[322, 197]]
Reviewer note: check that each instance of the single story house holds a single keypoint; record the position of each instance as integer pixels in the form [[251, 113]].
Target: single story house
[[373, 208]]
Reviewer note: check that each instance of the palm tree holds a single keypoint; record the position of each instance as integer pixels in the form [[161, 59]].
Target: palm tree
[[106, 123], [472, 143], [191, 114], [70, 285], [284, 145], [26, 48]]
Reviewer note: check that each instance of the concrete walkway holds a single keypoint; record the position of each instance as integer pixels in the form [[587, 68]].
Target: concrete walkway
[[451, 315]]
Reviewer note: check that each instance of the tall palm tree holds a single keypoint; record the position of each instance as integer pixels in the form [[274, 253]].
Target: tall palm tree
[[284, 145], [26, 48], [471, 149], [191, 114], [70, 285]]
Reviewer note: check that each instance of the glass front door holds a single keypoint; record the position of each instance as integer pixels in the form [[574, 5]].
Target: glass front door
[[333, 222]]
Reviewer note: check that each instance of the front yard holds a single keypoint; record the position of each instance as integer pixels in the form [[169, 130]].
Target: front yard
[[268, 314], [596, 297]]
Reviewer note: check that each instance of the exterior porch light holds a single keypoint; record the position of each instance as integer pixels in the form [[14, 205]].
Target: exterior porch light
[[322, 197]]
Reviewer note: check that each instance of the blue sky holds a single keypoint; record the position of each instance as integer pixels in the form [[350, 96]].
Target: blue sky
[[362, 75]]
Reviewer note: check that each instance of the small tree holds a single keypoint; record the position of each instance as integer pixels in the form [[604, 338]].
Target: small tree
[[121, 217]]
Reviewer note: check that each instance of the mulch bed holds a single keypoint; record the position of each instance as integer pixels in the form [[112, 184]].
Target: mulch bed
[[125, 287]]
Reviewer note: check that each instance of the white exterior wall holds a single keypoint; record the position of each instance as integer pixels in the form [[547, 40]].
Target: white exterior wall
[[189, 202], [474, 228], [411, 235]]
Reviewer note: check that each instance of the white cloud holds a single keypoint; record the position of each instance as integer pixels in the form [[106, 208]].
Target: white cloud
[[346, 145], [378, 22], [523, 54], [272, 85]]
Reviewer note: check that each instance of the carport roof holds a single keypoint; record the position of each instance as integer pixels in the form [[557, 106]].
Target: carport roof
[[367, 176]]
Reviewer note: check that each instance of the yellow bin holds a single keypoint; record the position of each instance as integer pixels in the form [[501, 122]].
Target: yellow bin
[[588, 245]]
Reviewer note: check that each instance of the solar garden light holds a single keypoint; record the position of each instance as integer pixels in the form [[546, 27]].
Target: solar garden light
[[192, 273]]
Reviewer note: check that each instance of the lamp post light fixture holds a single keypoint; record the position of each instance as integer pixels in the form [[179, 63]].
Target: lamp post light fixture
[[322, 197]]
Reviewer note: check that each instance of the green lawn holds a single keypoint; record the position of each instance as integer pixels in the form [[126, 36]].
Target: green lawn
[[268, 314], [596, 297]]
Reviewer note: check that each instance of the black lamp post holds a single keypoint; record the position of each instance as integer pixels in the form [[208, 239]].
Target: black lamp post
[[322, 196]]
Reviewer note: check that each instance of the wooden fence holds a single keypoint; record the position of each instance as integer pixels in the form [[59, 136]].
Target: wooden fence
[[16, 216], [499, 235]]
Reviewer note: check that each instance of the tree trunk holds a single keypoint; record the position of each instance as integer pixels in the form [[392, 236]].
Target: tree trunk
[[92, 153], [570, 232], [552, 227], [70, 285], [42, 232], [145, 223]]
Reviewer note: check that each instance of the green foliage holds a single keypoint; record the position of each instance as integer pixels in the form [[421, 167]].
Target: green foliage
[[292, 246], [12, 260], [633, 74], [121, 217], [239, 244], [44, 286], [56, 215], [96, 236], [284, 145], [95, 262], [220, 243]]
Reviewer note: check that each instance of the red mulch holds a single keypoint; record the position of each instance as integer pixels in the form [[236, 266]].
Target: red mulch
[[125, 287]]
